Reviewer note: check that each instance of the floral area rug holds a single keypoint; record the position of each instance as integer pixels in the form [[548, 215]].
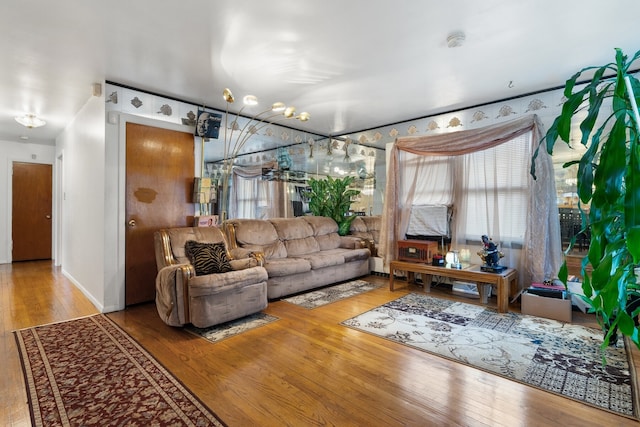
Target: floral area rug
[[225, 330], [90, 372], [320, 297], [558, 357]]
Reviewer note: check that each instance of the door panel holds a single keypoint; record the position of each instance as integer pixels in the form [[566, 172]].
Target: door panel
[[31, 211], [159, 181]]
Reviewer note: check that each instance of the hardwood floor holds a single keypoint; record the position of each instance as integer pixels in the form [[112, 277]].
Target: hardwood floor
[[304, 369], [31, 293]]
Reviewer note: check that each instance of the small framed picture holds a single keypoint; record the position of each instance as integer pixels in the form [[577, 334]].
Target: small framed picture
[[208, 124], [207, 221]]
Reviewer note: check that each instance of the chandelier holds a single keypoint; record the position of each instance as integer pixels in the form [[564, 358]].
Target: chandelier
[[236, 137], [30, 121], [271, 115]]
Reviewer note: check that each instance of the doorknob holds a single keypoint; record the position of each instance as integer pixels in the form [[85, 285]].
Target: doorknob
[[131, 223], [48, 216]]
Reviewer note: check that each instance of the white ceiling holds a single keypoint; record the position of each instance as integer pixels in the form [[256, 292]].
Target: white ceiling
[[353, 65]]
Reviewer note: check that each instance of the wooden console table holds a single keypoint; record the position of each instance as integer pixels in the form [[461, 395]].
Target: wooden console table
[[504, 281]]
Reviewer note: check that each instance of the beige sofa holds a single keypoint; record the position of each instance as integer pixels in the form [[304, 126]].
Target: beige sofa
[[204, 300], [300, 253], [368, 229]]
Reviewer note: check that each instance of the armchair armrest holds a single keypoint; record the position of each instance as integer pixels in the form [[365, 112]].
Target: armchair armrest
[[172, 297]]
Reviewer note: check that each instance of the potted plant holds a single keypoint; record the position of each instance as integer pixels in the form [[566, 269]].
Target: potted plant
[[608, 180], [332, 198]]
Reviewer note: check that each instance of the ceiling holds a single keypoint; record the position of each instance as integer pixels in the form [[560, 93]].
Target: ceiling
[[353, 65]]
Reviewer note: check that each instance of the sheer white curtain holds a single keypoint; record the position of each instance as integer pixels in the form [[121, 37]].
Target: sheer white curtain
[[246, 197], [253, 197], [492, 198], [424, 180]]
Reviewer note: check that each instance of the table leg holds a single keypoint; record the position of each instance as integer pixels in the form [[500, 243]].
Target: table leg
[[426, 279], [513, 287], [483, 291], [391, 276], [503, 294]]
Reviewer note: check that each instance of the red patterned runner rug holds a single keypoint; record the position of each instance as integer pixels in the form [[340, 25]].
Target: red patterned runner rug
[[90, 372]]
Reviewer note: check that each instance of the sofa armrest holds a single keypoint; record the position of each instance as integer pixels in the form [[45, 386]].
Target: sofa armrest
[[243, 254], [352, 242]]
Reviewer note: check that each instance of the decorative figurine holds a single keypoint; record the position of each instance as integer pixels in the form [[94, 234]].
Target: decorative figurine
[[490, 256]]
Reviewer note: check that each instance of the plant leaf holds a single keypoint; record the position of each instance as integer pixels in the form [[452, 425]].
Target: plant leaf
[[633, 243], [625, 322]]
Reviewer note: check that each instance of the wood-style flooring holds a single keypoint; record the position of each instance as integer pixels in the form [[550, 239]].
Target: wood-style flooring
[[301, 370]]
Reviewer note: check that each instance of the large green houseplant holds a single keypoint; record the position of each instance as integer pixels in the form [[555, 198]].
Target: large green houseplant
[[332, 197], [608, 180]]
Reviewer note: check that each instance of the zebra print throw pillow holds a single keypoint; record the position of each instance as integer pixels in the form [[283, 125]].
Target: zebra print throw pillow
[[207, 258]]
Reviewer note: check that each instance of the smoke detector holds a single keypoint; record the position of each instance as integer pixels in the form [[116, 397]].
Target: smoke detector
[[455, 39]]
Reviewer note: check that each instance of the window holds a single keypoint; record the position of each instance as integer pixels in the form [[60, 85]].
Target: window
[[487, 189], [494, 189]]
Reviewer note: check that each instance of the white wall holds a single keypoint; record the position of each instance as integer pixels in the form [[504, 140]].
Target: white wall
[[82, 244], [15, 152]]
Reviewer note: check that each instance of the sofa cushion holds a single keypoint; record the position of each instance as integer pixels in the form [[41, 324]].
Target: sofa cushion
[[322, 225], [328, 241], [292, 228], [366, 227], [373, 224], [254, 232], [180, 235], [296, 247], [286, 266], [296, 234], [324, 259], [358, 225], [356, 254], [325, 230], [272, 251], [260, 236], [351, 254], [207, 258]]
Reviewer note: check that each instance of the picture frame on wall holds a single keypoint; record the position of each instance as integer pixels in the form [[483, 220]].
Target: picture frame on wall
[[208, 124]]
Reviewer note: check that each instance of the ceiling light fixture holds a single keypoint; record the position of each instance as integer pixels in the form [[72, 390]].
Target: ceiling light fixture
[[250, 100], [30, 121], [456, 39]]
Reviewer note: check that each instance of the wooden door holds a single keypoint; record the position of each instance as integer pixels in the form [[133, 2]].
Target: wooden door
[[159, 181], [31, 211]]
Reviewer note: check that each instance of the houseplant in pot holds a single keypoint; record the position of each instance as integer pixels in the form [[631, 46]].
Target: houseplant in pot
[[608, 181], [331, 197]]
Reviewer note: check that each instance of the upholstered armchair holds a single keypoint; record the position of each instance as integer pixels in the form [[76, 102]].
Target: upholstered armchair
[[200, 281]]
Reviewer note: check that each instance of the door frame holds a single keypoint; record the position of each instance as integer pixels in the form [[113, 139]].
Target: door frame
[[10, 161], [121, 120], [57, 209]]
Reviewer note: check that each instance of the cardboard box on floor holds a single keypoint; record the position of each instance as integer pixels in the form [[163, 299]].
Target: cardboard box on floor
[[551, 308]]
